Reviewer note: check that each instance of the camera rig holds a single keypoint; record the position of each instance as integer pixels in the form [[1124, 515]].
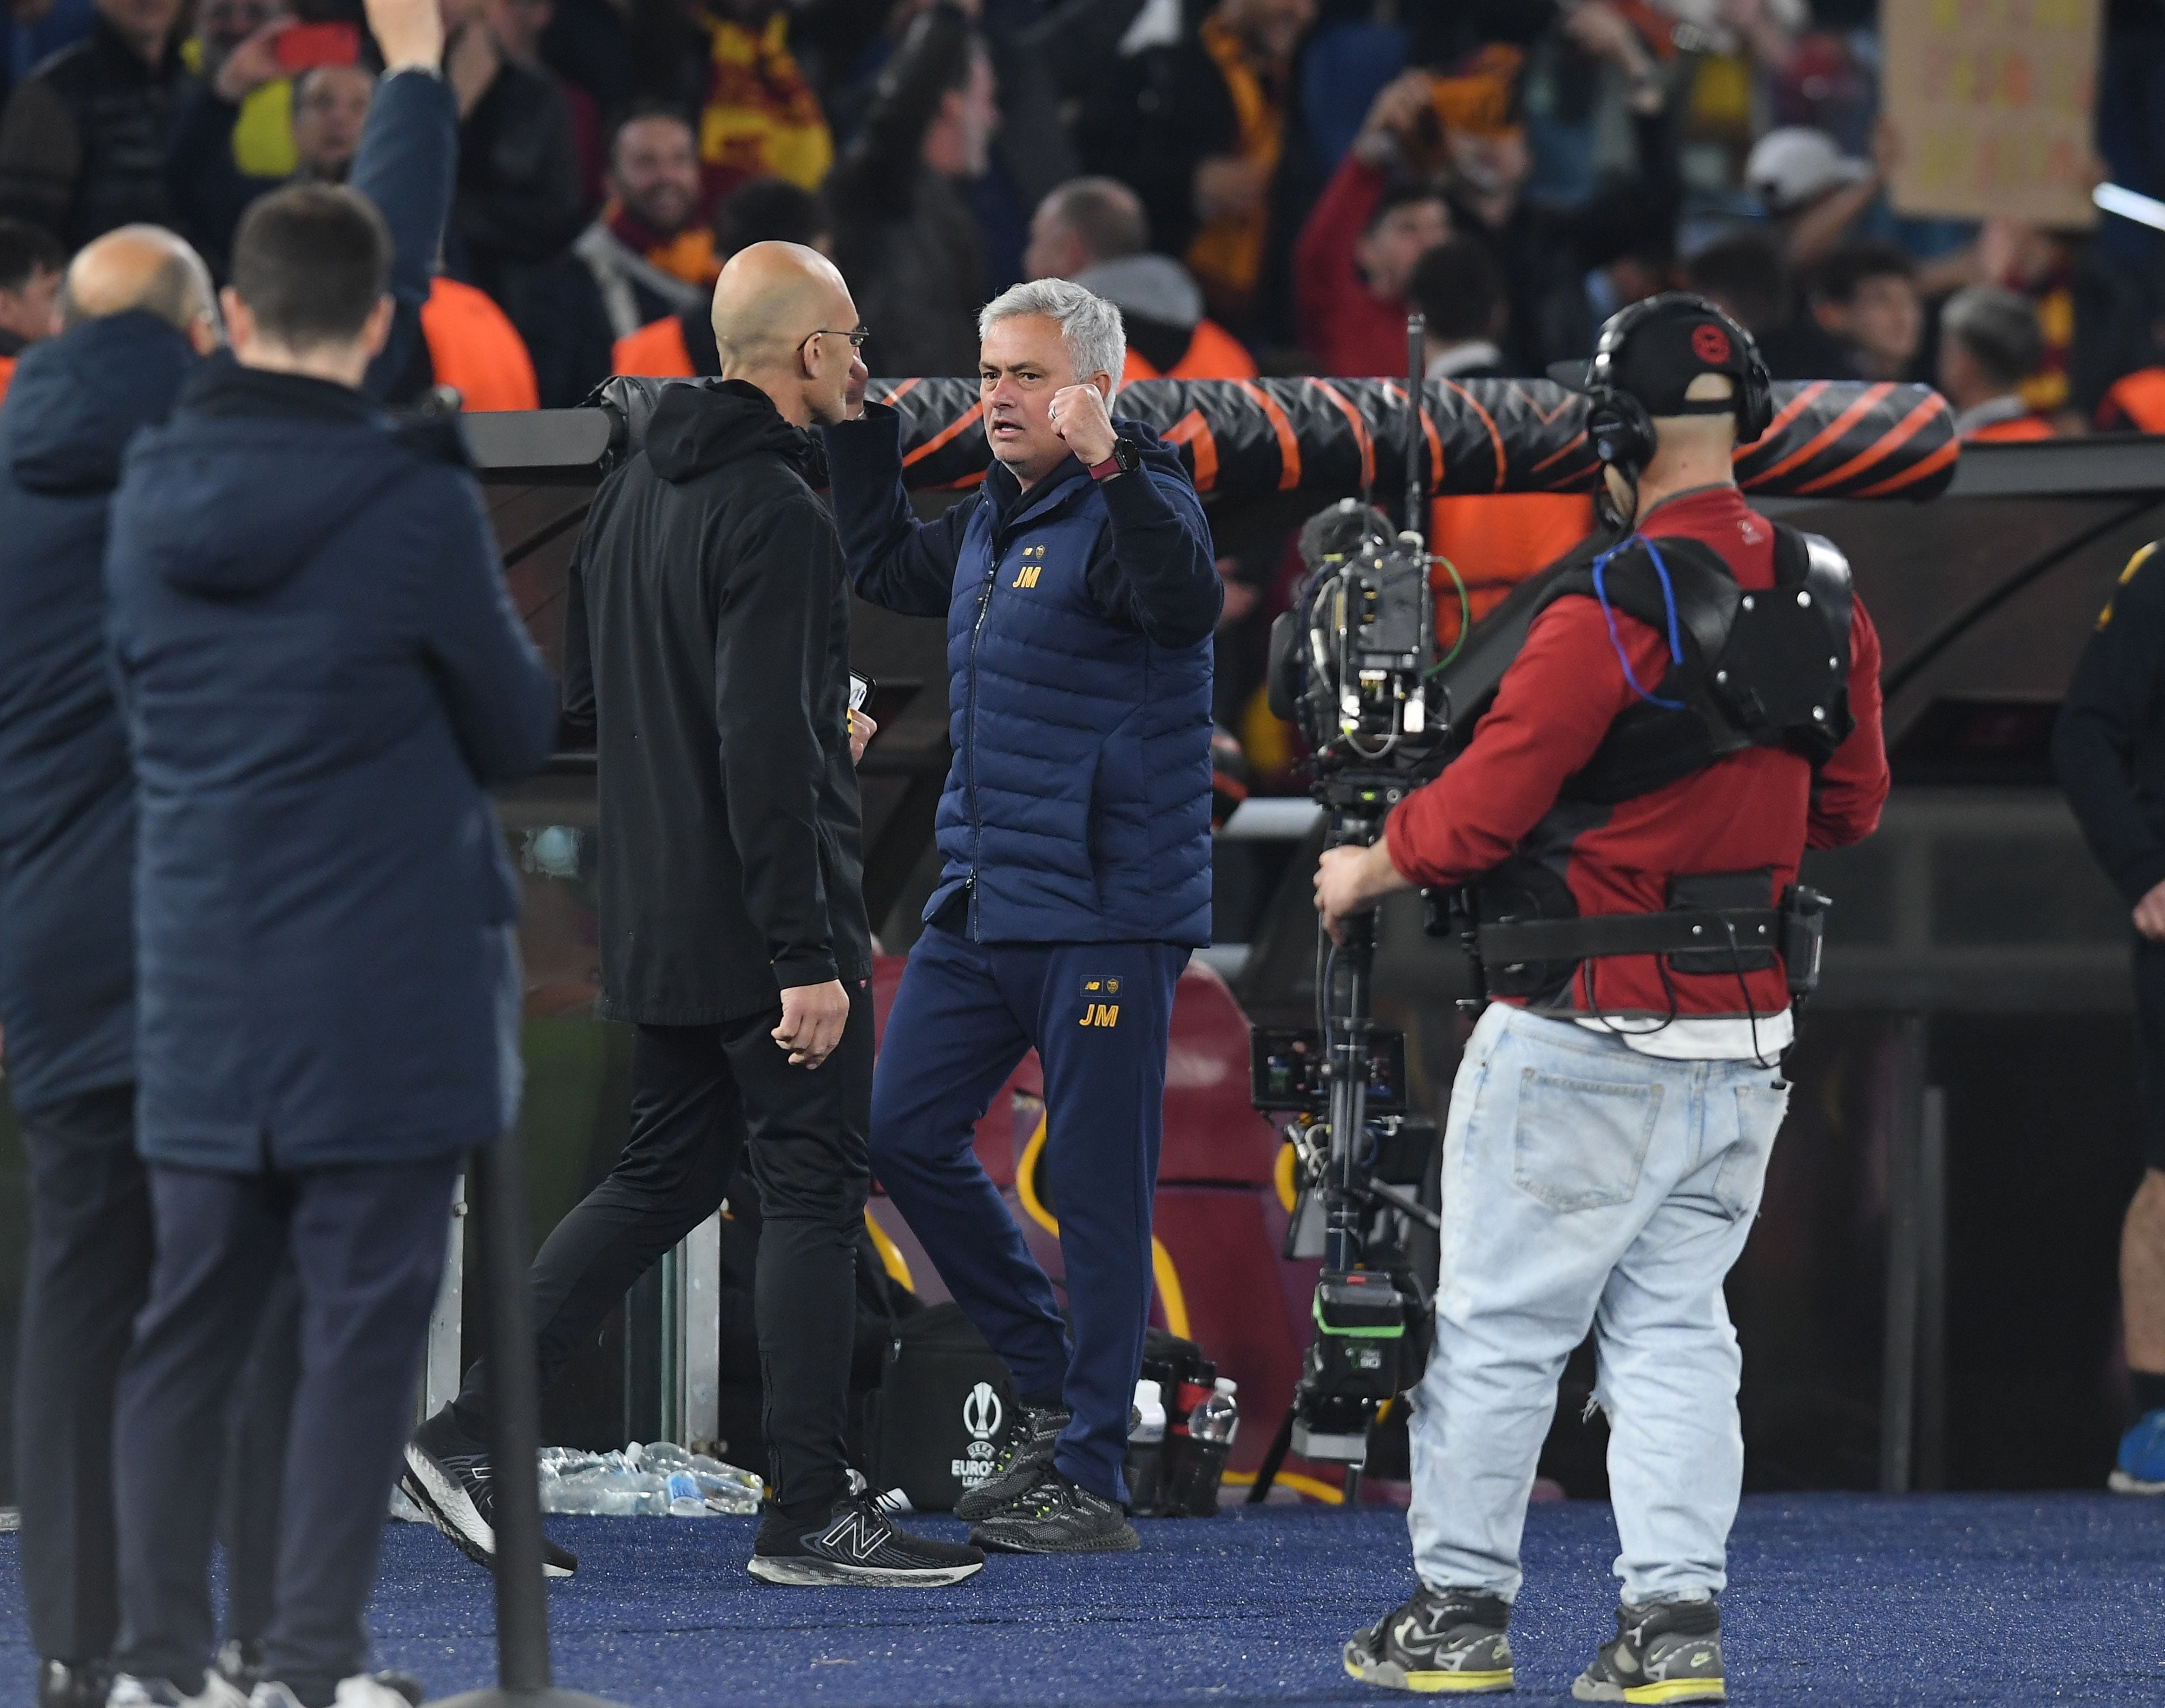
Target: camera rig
[[1352, 666]]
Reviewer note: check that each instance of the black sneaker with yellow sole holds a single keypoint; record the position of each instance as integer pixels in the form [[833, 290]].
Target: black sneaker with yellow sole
[[1664, 1652], [1443, 1641]]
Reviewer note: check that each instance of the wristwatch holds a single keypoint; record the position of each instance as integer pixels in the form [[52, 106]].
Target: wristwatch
[[1125, 459]]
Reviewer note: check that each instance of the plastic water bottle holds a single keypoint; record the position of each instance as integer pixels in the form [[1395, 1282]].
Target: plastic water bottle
[[1212, 1423], [1217, 1419], [1146, 1417], [686, 1500]]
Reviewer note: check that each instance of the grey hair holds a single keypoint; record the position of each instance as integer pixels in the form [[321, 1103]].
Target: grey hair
[[1089, 325]]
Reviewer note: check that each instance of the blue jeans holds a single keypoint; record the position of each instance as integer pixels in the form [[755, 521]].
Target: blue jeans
[[1587, 1185]]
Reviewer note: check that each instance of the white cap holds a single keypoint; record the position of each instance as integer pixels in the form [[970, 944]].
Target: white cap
[[1794, 167]]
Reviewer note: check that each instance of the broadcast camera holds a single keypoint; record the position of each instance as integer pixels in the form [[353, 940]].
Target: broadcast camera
[[1352, 667]]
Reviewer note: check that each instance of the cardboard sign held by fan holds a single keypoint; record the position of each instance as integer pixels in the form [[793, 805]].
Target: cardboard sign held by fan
[[1991, 102]]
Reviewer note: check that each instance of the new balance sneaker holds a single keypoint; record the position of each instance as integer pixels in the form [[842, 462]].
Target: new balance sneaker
[[856, 1544], [1441, 1641], [448, 1475], [73, 1684], [131, 1692], [1025, 1451], [362, 1690], [1056, 1516], [1664, 1652], [2142, 1467]]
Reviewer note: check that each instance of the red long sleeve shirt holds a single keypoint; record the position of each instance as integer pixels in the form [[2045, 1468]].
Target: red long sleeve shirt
[[1351, 335], [1759, 808]]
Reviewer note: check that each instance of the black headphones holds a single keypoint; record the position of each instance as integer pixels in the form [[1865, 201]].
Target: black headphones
[[1617, 423]]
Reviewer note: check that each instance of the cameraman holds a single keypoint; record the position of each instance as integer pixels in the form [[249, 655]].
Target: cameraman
[[1080, 591], [1608, 1143]]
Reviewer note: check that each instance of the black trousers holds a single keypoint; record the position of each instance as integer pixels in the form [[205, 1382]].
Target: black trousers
[[366, 1248], [88, 1274], [702, 1097]]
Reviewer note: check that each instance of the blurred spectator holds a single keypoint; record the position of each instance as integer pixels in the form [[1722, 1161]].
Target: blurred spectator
[[1743, 274], [470, 345], [904, 237], [1493, 541], [1545, 253], [518, 27], [1199, 128], [1358, 249], [1989, 342], [516, 204], [263, 135], [647, 257], [1095, 232], [766, 210], [1865, 295], [1810, 189], [31, 263], [82, 146], [2090, 315], [1460, 293], [208, 189]]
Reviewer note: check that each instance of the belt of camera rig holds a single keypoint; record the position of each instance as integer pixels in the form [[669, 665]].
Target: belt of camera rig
[[1679, 930]]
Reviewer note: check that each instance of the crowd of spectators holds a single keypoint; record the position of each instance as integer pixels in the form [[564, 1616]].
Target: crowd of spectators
[[1263, 187], [1259, 184]]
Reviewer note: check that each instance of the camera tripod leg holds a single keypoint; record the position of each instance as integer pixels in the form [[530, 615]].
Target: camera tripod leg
[[1267, 1473]]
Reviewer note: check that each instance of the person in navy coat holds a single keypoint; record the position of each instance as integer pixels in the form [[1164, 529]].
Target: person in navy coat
[[139, 313], [1081, 591], [322, 674]]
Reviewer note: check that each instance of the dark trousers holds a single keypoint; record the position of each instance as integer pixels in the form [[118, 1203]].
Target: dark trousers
[[366, 1246], [1098, 1015], [258, 1420], [88, 1274], [702, 1097]]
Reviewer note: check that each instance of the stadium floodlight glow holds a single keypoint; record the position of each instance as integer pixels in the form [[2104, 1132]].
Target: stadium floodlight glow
[[2131, 204]]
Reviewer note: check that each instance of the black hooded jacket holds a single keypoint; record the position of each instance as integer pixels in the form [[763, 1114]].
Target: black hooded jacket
[[707, 644]]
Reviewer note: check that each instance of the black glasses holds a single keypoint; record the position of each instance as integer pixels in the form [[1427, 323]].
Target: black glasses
[[856, 339]]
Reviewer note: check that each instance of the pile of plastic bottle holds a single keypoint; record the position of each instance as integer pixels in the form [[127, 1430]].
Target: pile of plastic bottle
[[660, 1480]]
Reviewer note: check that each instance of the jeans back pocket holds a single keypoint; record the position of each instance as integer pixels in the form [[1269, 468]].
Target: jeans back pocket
[[1580, 1144], [1741, 1178]]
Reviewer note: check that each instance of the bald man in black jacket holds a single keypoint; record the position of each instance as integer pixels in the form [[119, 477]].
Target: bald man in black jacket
[[707, 639]]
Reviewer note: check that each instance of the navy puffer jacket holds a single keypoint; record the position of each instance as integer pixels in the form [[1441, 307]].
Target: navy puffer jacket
[[1079, 617]]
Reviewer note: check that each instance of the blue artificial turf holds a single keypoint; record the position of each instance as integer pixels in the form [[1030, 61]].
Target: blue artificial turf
[[1835, 1599]]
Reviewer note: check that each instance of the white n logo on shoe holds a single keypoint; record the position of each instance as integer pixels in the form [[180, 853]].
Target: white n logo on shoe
[[859, 1535]]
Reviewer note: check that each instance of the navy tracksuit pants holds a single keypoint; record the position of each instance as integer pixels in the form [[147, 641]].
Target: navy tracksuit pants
[[1098, 1015]]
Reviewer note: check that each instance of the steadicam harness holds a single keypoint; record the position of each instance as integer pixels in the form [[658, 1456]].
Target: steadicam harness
[[1746, 669]]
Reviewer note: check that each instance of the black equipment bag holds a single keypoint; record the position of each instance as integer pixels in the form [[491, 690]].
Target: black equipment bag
[[932, 1426]]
